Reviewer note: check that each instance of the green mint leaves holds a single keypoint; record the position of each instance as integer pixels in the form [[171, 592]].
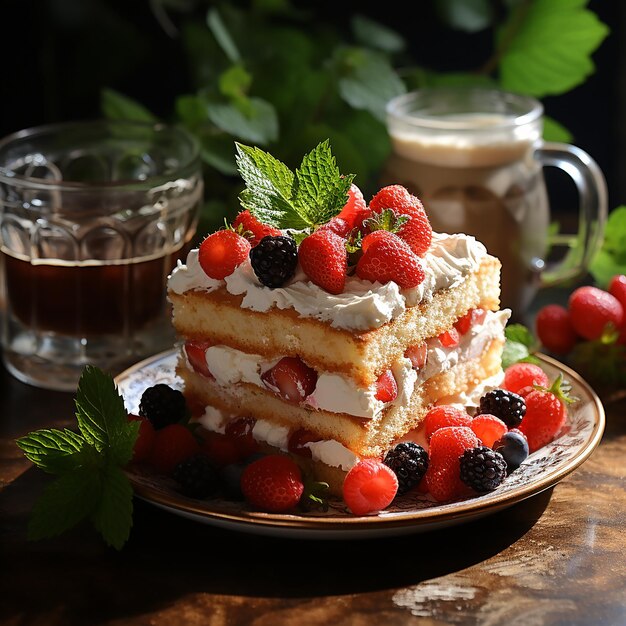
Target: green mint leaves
[[519, 346], [303, 199], [90, 481]]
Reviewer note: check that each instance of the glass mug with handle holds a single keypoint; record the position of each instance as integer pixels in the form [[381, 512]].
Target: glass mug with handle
[[475, 158]]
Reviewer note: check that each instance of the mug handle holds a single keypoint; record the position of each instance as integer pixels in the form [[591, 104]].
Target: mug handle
[[593, 208]]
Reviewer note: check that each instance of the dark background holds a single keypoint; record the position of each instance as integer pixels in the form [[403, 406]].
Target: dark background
[[58, 54]]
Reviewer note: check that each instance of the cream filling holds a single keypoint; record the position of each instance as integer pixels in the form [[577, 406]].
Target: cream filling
[[362, 305]]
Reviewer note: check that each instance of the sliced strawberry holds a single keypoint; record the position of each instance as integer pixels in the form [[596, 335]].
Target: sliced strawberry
[[196, 355], [291, 378], [417, 354], [471, 318], [386, 387], [239, 430], [449, 338]]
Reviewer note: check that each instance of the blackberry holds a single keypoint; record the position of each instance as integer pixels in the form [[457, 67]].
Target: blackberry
[[514, 449], [274, 260], [409, 462], [506, 405], [163, 406], [482, 468], [196, 477]]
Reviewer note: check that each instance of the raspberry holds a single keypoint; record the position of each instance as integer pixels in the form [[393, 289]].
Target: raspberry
[[369, 486], [418, 355], [390, 259], [488, 428], [449, 338], [545, 415], [252, 229], [386, 387], [446, 446], [291, 378], [172, 444], [196, 355], [409, 462], [274, 260], [220, 450], [482, 469], [592, 309], [220, 253], [471, 318], [272, 483], [506, 405], [520, 375], [554, 329], [145, 438], [163, 405], [324, 260], [442, 416], [513, 447], [196, 477]]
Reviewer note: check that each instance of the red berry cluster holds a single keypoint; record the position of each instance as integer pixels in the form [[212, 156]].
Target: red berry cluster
[[323, 254], [589, 313]]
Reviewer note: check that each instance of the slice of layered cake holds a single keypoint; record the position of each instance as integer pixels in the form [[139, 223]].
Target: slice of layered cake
[[325, 327]]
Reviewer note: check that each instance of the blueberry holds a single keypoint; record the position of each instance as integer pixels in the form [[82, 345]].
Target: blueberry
[[230, 477], [514, 448]]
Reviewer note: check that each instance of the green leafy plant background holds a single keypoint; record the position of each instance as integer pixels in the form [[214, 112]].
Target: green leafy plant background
[[266, 73]]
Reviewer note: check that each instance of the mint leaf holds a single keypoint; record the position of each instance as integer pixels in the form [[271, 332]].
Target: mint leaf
[[550, 46], [467, 15], [373, 34], [611, 258], [116, 106], [250, 119], [113, 513], [222, 36], [519, 334], [553, 131], [55, 451], [519, 346], [70, 499]]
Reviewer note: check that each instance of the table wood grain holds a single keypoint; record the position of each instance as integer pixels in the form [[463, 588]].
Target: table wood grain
[[556, 558]]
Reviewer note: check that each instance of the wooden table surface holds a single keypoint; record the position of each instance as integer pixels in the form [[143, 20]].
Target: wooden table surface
[[556, 558]]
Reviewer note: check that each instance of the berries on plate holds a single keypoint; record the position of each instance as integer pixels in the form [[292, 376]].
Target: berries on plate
[[488, 428], [274, 260], [323, 259], [369, 486], [443, 478], [592, 309], [409, 462], [196, 477], [272, 483], [506, 405], [145, 438], [482, 469], [172, 444], [442, 416], [546, 412], [291, 378], [386, 387], [390, 259], [521, 375], [554, 329], [163, 405], [221, 252], [513, 447]]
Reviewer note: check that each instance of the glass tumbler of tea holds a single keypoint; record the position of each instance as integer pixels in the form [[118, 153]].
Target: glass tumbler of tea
[[475, 157], [93, 216]]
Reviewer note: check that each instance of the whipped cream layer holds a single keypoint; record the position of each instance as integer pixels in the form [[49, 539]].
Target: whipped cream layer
[[362, 305], [339, 394]]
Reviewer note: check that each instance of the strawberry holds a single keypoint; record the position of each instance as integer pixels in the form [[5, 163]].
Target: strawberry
[[196, 355], [546, 412], [221, 252], [239, 430], [449, 338], [291, 378], [443, 476], [473, 317], [272, 483], [386, 387], [324, 260], [592, 309], [355, 210], [337, 225], [442, 416], [394, 197], [417, 232], [554, 329], [521, 375], [390, 259], [369, 239], [172, 444], [417, 354], [488, 428], [617, 288], [145, 438], [252, 229], [369, 486]]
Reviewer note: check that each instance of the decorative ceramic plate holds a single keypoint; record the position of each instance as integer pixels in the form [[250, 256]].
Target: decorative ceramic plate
[[411, 513]]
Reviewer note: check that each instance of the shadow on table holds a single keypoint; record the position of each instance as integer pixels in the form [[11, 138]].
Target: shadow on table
[[168, 558]]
